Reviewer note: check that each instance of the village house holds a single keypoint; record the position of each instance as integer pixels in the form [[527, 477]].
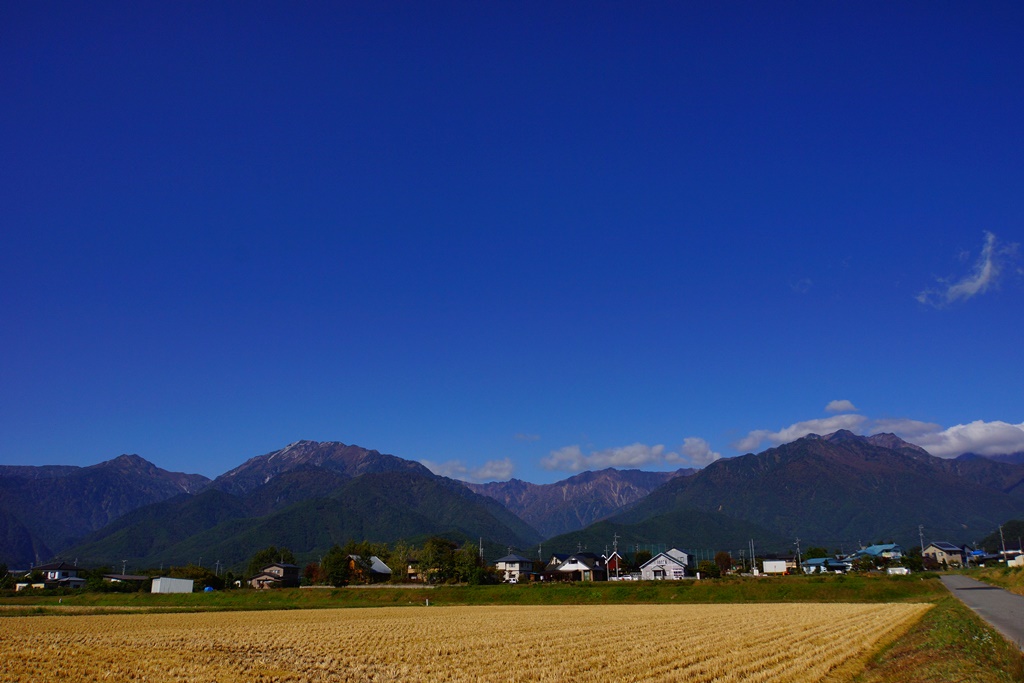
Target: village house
[[277, 575], [944, 554], [375, 572], [514, 568], [670, 565], [615, 565], [54, 575], [581, 566], [825, 565], [886, 551]]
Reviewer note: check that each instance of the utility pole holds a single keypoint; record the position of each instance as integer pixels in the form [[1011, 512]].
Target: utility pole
[[615, 548], [798, 553], [1002, 541], [920, 533], [124, 564]]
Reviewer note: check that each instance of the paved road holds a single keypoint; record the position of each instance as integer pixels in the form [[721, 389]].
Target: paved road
[[1001, 608]]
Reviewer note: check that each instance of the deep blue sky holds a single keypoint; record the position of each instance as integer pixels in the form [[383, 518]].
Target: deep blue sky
[[527, 238]]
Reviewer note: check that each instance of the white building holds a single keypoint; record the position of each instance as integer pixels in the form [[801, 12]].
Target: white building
[[668, 565], [514, 568], [164, 584]]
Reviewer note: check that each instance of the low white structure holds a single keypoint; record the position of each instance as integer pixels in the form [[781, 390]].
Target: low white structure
[[897, 571], [774, 566], [163, 584]]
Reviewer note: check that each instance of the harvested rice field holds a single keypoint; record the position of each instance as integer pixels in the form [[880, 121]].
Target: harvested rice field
[[761, 642]]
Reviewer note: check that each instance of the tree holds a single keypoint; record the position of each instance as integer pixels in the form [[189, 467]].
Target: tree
[[641, 558], [202, 576], [268, 556], [437, 561], [6, 580], [397, 558], [466, 562], [912, 559], [311, 574], [335, 568], [708, 569], [723, 561], [816, 551]]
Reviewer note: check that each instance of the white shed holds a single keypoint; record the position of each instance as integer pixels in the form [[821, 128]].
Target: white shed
[[774, 566], [164, 584]]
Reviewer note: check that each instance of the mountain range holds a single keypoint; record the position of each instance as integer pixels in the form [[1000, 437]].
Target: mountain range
[[843, 489], [576, 502], [837, 490]]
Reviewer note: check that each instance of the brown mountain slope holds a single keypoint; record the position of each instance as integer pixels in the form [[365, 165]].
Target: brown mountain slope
[[576, 502]]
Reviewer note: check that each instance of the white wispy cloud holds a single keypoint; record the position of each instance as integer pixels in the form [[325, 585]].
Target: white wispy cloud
[[694, 452], [983, 438], [985, 274], [492, 470], [825, 425], [527, 437], [840, 406]]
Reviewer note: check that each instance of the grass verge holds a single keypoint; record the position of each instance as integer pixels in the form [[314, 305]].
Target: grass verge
[[1010, 578], [949, 643], [860, 588]]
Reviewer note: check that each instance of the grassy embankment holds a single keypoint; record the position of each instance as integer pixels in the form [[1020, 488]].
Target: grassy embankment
[[950, 643], [1010, 578], [856, 588]]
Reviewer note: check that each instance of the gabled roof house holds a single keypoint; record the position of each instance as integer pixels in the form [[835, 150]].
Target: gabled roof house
[[672, 564], [277, 575], [888, 551], [941, 553], [582, 566], [514, 568]]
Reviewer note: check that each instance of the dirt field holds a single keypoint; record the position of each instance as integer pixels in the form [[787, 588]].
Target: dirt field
[[767, 642]]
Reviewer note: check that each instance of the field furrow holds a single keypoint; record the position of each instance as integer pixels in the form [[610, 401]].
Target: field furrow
[[765, 642]]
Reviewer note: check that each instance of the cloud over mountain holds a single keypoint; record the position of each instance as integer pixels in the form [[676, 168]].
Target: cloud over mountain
[[824, 425], [694, 452], [492, 470], [981, 437]]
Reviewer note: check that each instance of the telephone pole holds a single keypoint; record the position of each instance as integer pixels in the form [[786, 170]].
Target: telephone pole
[[920, 532]]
